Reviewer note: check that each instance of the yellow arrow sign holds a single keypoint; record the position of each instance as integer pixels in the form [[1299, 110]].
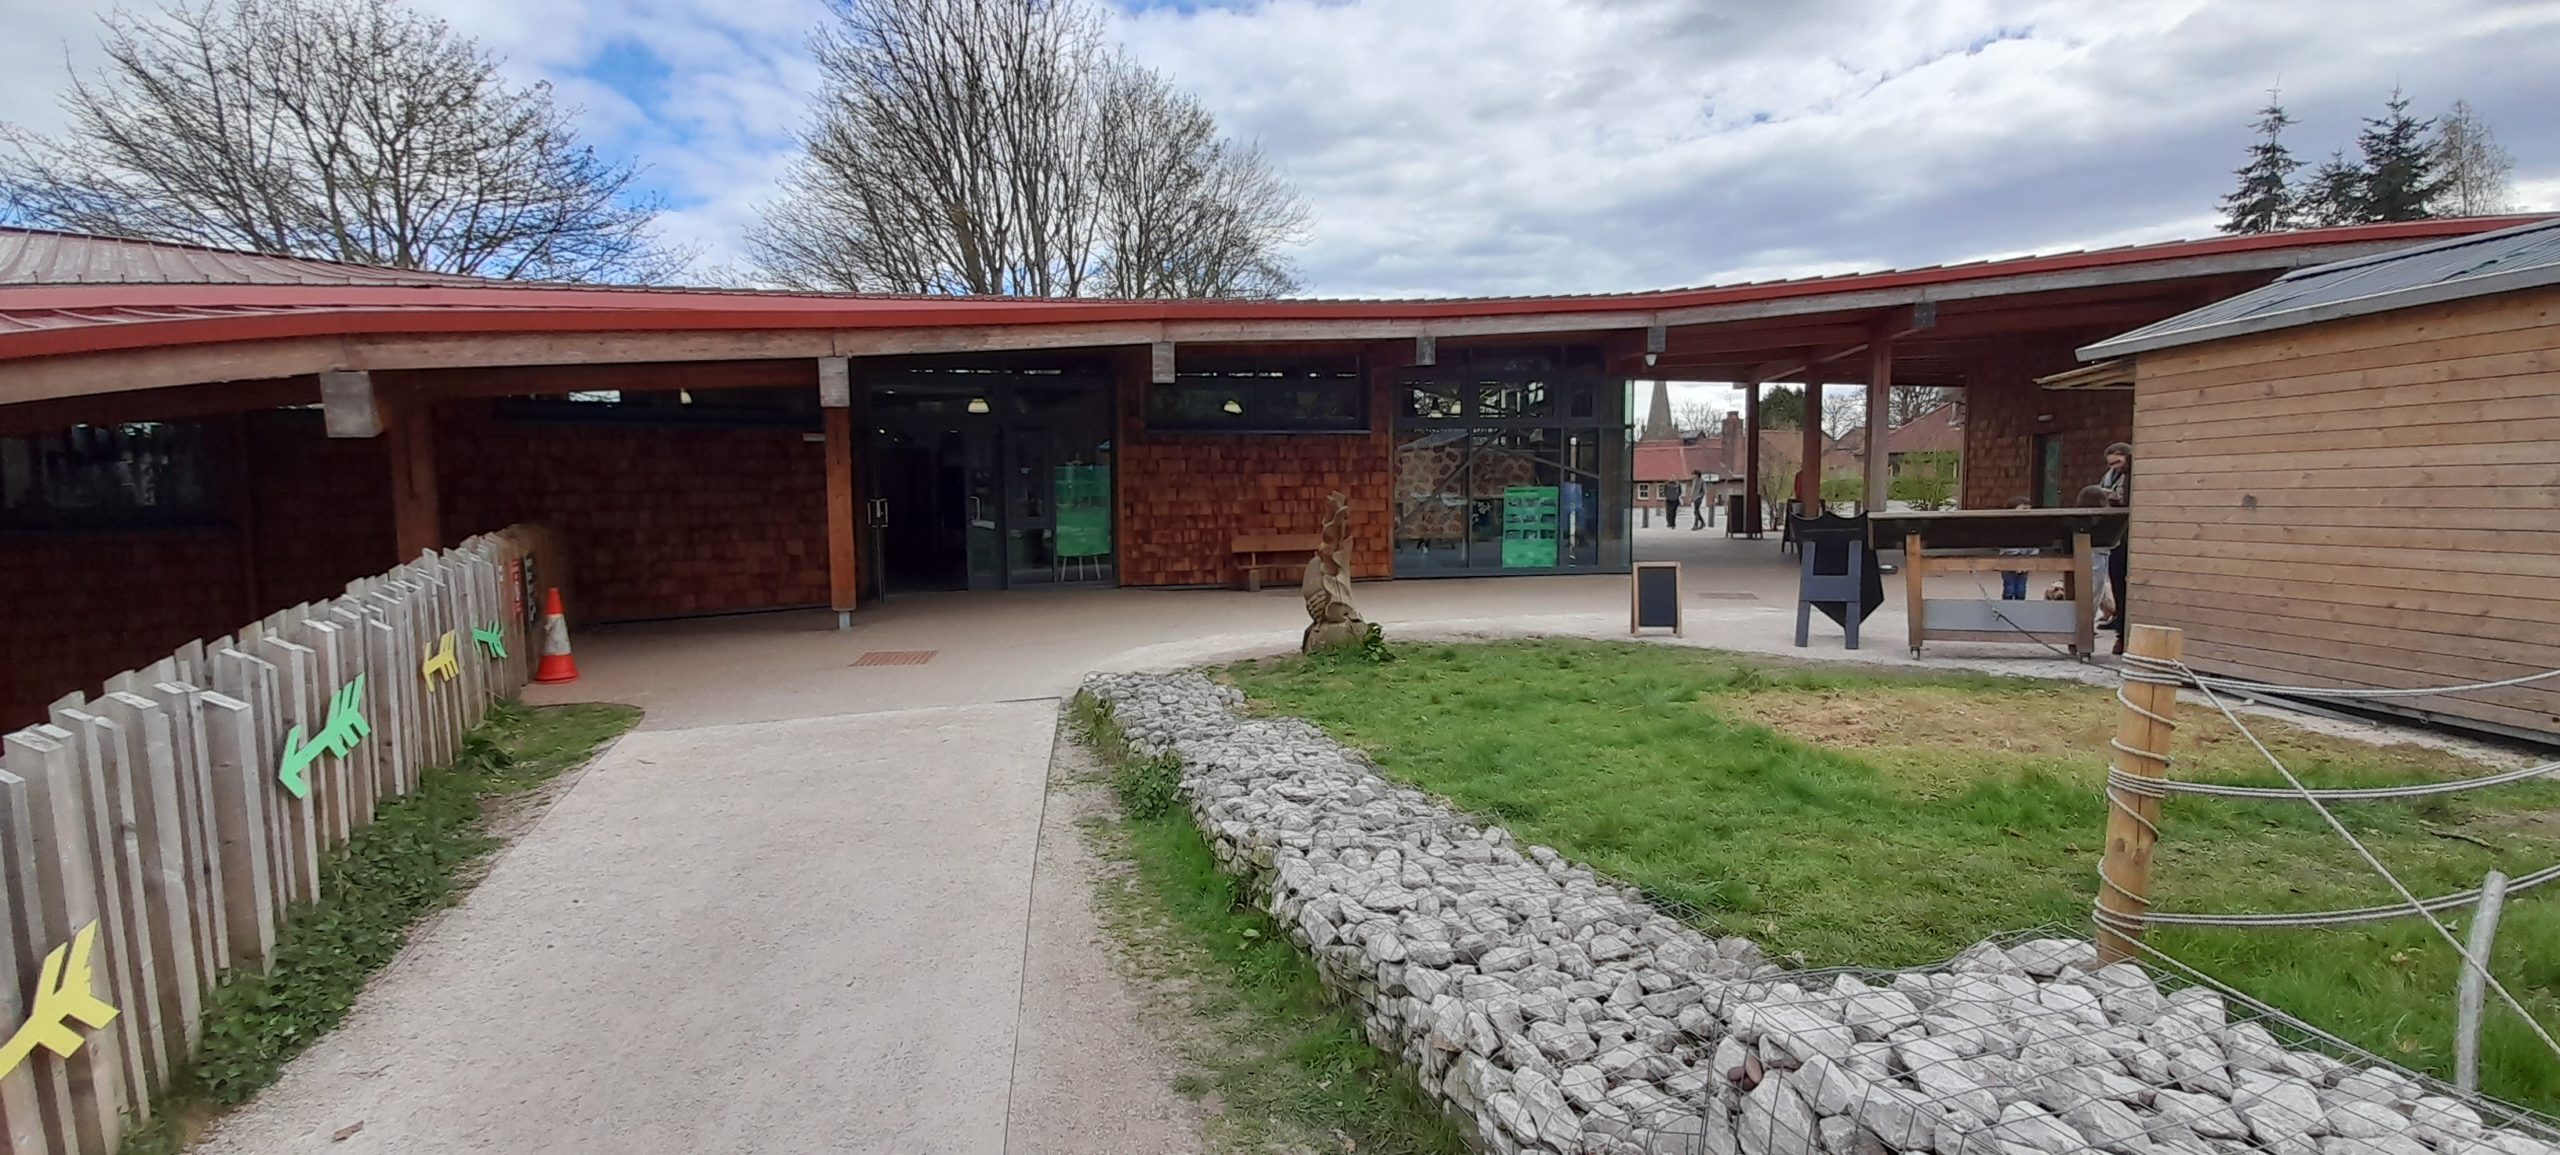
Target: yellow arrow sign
[[65, 991], [443, 662]]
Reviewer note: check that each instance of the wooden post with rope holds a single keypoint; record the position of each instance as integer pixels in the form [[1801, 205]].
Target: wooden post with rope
[[2141, 749]]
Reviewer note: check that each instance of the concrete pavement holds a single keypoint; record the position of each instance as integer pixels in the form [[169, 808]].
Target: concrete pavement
[[813, 905], [804, 935]]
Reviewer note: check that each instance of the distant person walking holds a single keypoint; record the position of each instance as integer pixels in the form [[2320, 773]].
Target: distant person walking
[[1698, 502], [1671, 504]]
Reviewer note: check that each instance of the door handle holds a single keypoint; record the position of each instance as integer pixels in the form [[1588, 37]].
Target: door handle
[[879, 511]]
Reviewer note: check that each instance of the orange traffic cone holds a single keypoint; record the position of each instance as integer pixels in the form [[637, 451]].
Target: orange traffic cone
[[557, 665]]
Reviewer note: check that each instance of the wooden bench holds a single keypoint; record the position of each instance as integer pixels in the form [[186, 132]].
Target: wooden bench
[[1257, 552]]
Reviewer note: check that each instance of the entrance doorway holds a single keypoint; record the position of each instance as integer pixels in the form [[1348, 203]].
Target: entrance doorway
[[983, 479]]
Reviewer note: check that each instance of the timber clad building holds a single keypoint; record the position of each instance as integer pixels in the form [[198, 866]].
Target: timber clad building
[[192, 438], [2352, 477]]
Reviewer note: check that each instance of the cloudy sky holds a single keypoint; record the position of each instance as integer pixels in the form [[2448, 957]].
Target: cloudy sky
[[1511, 146]]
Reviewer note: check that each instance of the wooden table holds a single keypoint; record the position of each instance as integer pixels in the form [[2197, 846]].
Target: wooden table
[[1960, 539]]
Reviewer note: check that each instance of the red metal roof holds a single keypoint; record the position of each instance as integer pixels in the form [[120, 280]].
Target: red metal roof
[[37, 257], [68, 294]]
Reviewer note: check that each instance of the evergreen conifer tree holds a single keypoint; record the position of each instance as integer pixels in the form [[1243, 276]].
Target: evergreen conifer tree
[[2263, 202], [2334, 195], [2399, 164]]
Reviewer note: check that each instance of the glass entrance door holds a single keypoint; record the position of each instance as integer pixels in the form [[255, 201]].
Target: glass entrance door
[[988, 482], [933, 508]]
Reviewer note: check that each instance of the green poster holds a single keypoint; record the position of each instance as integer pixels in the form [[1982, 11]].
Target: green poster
[[1083, 498], [1529, 527]]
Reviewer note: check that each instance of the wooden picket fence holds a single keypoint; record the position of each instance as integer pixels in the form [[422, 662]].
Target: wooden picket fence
[[152, 837]]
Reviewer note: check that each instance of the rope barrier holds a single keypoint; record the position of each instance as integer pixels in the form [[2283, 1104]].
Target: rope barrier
[[2161, 787], [2436, 905], [2155, 671], [2247, 686]]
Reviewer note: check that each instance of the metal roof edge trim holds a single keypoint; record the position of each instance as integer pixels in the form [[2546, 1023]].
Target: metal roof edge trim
[[2524, 223], [2370, 304]]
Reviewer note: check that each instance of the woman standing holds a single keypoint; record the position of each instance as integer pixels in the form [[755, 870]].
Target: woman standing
[[2118, 484]]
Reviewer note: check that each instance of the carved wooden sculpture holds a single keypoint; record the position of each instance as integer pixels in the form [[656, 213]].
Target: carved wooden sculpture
[[1332, 620]]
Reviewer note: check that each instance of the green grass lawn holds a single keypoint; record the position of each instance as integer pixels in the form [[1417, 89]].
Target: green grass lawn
[[1857, 817]]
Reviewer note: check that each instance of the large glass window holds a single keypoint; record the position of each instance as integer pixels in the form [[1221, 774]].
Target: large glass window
[[1299, 393], [1511, 461], [93, 476]]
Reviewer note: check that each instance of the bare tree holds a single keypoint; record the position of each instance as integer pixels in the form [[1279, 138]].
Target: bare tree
[[1842, 411], [1909, 403], [350, 130], [1182, 212], [2473, 170], [1697, 416], [1001, 147]]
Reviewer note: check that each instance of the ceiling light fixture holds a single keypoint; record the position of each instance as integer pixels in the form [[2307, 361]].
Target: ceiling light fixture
[[1233, 406], [977, 405]]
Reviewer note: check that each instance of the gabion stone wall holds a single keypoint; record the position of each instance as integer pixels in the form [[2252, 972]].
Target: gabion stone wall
[[1559, 1013]]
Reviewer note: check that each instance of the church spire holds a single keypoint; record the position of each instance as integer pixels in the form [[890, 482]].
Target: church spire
[[1657, 421]]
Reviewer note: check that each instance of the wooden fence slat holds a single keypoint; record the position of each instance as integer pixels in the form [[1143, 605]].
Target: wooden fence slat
[[177, 700], [21, 1120], [151, 741], [448, 716], [355, 661], [430, 631], [46, 1096], [116, 871], [123, 885], [238, 777], [241, 677], [48, 791], [330, 791], [397, 682], [389, 742], [167, 915], [296, 705]]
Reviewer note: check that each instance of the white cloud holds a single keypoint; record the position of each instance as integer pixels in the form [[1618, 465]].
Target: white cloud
[[1507, 146]]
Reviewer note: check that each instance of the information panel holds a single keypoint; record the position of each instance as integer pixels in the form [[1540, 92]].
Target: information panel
[[1529, 527], [1084, 510]]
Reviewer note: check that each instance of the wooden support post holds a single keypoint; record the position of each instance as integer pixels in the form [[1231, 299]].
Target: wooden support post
[[835, 400], [1879, 458], [1915, 604], [2133, 820], [2084, 597], [1809, 478], [1750, 456], [417, 521]]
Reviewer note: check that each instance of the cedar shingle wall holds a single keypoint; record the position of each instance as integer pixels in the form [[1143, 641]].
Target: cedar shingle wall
[[658, 520], [2369, 502], [322, 507], [84, 607], [1184, 497], [2002, 404]]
